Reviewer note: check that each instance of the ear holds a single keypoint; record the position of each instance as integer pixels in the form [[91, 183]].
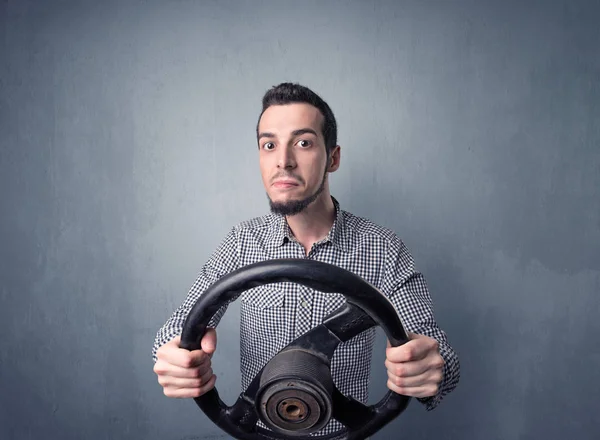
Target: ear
[[334, 159]]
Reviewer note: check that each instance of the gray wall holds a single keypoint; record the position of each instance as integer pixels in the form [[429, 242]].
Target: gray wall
[[127, 150]]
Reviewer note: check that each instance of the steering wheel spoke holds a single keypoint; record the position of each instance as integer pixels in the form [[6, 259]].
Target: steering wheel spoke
[[243, 414], [319, 341], [348, 321], [350, 412], [340, 326]]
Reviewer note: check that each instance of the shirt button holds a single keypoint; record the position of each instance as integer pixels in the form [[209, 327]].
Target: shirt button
[[304, 304]]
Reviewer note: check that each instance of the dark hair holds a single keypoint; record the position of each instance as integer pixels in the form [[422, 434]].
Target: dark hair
[[287, 93]]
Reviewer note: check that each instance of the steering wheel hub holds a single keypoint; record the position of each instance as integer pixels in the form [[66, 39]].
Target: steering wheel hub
[[295, 393], [292, 408]]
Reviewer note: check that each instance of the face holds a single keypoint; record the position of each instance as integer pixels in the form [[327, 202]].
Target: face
[[293, 160]]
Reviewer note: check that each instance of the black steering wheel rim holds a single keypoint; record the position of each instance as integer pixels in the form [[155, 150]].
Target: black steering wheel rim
[[365, 304]]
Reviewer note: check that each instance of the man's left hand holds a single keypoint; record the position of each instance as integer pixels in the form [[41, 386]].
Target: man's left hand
[[415, 368]]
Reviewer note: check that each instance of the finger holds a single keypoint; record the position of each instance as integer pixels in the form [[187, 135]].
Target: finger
[[430, 377], [182, 393], [172, 353], [185, 382], [210, 384], [209, 341], [411, 351], [416, 349], [418, 392], [208, 374], [406, 369], [164, 368], [181, 357]]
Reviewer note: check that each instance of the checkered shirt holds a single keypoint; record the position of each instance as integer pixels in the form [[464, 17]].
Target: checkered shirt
[[273, 315]]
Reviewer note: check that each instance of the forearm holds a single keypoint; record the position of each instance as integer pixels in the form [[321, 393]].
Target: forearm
[[415, 308], [223, 260], [174, 325]]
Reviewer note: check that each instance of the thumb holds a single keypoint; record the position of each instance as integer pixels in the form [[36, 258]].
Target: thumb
[[209, 341]]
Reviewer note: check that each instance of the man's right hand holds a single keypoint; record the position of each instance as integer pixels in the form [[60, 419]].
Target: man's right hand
[[183, 373]]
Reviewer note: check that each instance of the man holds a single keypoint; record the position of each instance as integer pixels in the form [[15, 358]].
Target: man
[[297, 142]]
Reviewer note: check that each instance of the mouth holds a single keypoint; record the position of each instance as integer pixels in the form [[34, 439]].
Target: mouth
[[283, 181], [287, 183]]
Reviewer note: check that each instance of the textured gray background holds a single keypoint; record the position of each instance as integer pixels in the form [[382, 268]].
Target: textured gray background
[[127, 150]]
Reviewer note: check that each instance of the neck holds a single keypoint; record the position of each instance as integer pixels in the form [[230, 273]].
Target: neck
[[315, 222]]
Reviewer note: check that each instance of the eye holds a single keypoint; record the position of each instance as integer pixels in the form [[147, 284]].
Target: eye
[[304, 143], [269, 146]]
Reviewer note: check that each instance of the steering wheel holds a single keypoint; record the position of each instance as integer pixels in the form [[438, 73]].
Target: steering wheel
[[294, 394]]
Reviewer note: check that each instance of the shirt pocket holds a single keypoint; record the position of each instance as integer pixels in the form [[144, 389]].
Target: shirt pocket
[[267, 296], [264, 326]]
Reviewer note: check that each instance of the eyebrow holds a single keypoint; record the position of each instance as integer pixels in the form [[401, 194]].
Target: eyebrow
[[304, 131], [298, 132], [266, 135]]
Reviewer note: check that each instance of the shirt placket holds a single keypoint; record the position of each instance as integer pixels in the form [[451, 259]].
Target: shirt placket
[[304, 314], [304, 311]]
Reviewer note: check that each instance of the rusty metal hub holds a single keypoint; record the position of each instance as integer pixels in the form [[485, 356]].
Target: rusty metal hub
[[295, 393]]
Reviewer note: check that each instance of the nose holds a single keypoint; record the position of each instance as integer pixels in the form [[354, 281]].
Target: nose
[[286, 158]]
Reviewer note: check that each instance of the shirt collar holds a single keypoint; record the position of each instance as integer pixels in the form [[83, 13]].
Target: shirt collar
[[338, 234]]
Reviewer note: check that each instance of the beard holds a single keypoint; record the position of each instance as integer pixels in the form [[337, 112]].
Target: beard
[[294, 207]]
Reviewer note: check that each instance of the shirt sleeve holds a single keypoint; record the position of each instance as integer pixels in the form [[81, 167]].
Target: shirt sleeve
[[224, 259], [409, 294]]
